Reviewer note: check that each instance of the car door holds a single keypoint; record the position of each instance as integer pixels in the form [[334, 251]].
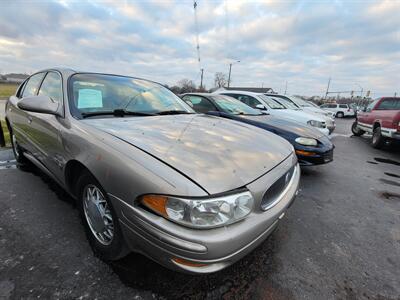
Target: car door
[[46, 127], [385, 111], [20, 119], [366, 117]]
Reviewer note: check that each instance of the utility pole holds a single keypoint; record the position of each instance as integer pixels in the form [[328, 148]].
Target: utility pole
[[285, 87], [201, 80], [229, 76], [230, 70], [327, 89], [395, 94]]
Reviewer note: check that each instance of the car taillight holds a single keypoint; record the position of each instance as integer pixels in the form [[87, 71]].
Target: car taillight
[[398, 126]]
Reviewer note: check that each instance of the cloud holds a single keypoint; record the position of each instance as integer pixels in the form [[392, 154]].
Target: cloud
[[302, 42]]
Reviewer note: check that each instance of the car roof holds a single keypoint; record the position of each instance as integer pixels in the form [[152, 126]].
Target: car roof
[[238, 92]]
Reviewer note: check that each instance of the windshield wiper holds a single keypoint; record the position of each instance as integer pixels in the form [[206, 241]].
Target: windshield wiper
[[173, 112], [116, 113]]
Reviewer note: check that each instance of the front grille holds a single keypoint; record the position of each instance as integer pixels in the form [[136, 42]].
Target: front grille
[[274, 193]]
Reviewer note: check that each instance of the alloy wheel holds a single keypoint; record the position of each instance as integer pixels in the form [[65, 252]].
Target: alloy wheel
[[98, 214]]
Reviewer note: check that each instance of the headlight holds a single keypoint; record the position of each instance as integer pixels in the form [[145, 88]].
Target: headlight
[[315, 123], [306, 141], [201, 213]]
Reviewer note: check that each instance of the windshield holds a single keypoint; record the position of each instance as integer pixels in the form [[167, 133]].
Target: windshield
[[285, 102], [271, 102], [300, 102], [233, 106], [96, 93]]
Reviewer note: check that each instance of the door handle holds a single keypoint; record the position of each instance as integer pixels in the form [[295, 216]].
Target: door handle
[[29, 119]]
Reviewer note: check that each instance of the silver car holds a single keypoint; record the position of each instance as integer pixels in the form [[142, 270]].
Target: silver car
[[192, 192]]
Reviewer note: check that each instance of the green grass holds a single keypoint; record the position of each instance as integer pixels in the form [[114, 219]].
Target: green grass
[[7, 90], [6, 133]]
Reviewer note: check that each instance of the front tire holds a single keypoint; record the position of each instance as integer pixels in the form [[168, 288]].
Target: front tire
[[355, 130], [377, 139], [99, 219], [17, 150], [340, 114]]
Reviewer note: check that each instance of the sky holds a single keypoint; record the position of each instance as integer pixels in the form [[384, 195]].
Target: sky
[[298, 43]]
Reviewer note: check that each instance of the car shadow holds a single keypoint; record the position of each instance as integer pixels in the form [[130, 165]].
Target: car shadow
[[137, 271]]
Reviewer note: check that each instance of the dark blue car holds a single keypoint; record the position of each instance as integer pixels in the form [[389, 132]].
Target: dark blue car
[[312, 147]]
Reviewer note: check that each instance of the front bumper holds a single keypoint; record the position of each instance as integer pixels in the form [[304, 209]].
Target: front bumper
[[322, 154], [205, 250]]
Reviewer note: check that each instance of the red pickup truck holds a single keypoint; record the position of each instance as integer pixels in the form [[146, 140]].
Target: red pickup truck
[[382, 119]]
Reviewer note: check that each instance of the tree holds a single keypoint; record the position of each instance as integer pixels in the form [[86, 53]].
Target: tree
[[220, 79], [186, 86]]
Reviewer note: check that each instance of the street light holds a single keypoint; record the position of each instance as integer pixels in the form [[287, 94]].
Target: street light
[[230, 70]]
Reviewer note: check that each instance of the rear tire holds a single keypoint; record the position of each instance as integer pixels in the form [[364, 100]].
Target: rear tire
[[99, 219], [377, 139], [355, 130], [340, 114]]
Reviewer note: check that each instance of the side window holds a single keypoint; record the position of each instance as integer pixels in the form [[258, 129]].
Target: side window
[[200, 104], [332, 106], [51, 86], [20, 89], [249, 100], [387, 104], [31, 87], [343, 106]]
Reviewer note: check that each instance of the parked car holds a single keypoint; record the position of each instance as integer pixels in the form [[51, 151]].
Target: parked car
[[382, 119], [193, 192], [265, 103], [312, 147], [289, 103], [310, 106], [340, 110]]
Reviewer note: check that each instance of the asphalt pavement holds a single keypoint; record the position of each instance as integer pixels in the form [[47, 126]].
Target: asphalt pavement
[[339, 240]]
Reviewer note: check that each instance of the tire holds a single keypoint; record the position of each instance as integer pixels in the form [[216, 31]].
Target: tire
[[377, 139], [17, 150], [105, 248], [340, 114], [355, 130]]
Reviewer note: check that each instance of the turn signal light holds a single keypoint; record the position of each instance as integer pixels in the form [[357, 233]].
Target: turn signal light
[[156, 203], [305, 153]]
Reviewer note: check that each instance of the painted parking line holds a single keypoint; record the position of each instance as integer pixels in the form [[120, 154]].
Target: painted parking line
[[8, 164]]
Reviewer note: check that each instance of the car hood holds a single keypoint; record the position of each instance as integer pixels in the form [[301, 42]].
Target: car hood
[[286, 125], [296, 115], [218, 154]]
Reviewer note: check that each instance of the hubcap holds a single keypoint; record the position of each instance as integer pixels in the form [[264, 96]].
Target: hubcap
[[98, 214]]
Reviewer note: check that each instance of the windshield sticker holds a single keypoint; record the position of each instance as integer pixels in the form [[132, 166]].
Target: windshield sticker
[[90, 98]]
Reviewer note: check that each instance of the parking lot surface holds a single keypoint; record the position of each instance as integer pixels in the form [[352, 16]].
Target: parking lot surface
[[339, 240]]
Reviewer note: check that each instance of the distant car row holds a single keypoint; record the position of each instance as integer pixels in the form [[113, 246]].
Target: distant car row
[[311, 145]]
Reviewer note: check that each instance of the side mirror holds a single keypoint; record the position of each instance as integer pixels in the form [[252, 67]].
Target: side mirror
[[39, 104], [260, 106]]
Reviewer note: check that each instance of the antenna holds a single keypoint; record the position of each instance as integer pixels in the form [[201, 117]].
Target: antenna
[[197, 31]]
